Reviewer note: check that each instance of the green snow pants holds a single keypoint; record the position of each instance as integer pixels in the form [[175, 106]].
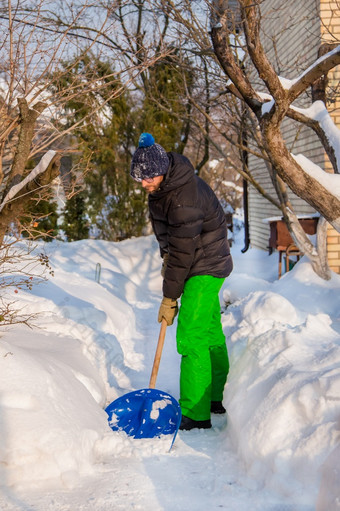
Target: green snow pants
[[201, 342]]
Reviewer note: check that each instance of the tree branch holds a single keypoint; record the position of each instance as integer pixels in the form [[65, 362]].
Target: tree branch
[[220, 35], [250, 12], [314, 72], [112, 44], [315, 125]]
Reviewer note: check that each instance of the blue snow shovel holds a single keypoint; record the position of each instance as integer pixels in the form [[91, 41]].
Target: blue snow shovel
[[147, 413]]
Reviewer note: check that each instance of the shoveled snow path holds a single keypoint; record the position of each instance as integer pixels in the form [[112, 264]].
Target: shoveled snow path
[[201, 467]]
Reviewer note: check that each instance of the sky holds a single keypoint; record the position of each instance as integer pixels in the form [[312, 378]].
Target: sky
[[277, 448]]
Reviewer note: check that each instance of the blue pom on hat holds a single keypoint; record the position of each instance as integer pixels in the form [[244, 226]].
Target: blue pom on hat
[[146, 140], [150, 159]]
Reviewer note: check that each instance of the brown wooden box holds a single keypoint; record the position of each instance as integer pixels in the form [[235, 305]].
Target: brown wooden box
[[280, 236]]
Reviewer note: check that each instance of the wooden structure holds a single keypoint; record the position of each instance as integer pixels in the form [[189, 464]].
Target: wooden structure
[[281, 240]]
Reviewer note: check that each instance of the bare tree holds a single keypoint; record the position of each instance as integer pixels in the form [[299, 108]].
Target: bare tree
[[270, 113], [42, 42], [258, 101]]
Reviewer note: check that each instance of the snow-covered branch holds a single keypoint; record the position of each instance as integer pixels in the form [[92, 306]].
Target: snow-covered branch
[[329, 181], [19, 196], [39, 169], [318, 118], [312, 73]]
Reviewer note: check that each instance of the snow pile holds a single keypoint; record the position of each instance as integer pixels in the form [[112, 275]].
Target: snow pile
[[96, 341], [50, 418], [283, 391], [55, 381]]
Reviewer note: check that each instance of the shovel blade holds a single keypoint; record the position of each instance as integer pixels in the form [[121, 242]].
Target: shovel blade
[[145, 413]]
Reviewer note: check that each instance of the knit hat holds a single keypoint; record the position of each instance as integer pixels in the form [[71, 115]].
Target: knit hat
[[149, 160]]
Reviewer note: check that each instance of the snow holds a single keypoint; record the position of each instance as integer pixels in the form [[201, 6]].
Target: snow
[[278, 448], [267, 106], [231, 184], [286, 83]]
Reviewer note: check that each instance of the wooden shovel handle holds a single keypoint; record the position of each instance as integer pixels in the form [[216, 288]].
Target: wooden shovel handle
[[158, 354]]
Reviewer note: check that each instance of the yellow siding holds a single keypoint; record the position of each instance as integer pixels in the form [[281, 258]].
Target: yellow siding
[[330, 31], [333, 249]]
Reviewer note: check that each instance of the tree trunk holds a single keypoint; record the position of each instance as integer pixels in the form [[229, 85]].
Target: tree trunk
[[14, 207], [27, 120], [321, 236], [317, 255]]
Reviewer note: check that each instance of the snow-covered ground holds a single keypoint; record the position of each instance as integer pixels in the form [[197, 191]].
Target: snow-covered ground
[[278, 449]]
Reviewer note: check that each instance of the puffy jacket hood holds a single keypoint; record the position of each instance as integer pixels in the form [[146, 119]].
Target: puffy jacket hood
[[180, 172]]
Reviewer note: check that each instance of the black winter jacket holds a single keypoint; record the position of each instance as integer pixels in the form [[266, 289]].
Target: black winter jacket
[[190, 226]]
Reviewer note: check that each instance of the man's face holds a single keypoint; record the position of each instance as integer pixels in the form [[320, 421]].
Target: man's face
[[152, 184]]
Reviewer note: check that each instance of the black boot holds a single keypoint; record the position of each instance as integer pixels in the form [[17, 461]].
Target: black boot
[[217, 407], [187, 424]]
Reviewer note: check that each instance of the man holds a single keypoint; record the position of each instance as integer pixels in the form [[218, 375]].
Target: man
[[190, 227]]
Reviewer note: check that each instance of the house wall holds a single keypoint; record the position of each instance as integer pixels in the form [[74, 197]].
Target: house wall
[[291, 37]]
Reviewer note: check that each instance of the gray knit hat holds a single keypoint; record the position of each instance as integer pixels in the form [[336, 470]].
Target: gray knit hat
[[149, 160]]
